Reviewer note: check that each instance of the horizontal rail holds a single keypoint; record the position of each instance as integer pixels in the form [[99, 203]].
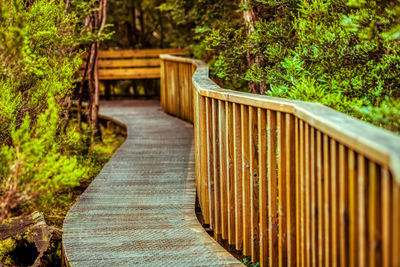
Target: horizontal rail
[[130, 64], [288, 182]]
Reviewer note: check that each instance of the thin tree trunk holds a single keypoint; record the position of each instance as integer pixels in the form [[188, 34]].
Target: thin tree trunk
[[250, 17]]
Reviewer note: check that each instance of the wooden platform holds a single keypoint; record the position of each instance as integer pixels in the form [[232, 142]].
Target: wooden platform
[[139, 211]]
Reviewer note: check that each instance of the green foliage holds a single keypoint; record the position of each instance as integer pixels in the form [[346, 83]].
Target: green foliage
[[38, 64], [34, 165], [341, 53], [248, 262]]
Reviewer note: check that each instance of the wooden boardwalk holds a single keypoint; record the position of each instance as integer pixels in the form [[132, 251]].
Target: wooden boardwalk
[[139, 211]]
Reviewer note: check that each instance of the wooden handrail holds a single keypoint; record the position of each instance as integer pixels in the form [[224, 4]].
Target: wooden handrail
[[288, 182]]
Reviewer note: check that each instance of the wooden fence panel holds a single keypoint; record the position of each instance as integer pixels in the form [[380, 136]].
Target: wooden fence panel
[[288, 183]]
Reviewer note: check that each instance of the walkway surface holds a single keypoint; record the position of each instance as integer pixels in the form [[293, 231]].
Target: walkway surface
[[139, 211]]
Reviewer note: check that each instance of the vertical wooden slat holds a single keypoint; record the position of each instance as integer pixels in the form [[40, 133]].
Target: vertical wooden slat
[[162, 83], [386, 214], [343, 206], [335, 203], [253, 142], [321, 199], [246, 181], [215, 140], [196, 140], [237, 162], [290, 183], [362, 216], [307, 177], [175, 101], [210, 164], [230, 169], [353, 209], [298, 191], [181, 88], [272, 190], [395, 244], [203, 197], [193, 92], [188, 84], [303, 252], [167, 72], [223, 168], [281, 143], [374, 216], [262, 171], [186, 88], [314, 200], [327, 201]]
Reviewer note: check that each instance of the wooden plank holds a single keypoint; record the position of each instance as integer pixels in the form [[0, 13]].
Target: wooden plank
[[282, 158], [193, 92], [196, 134], [162, 85], [181, 90], [246, 181], [307, 191], [129, 63], [262, 170], [290, 181], [204, 196], [353, 209], [217, 194], [188, 88], [175, 88], [272, 190], [386, 217], [237, 168], [302, 170], [138, 73], [230, 172], [168, 85], [314, 198], [139, 53], [327, 201], [343, 206], [362, 215], [321, 199], [210, 164], [298, 191], [374, 216], [223, 168], [395, 244], [335, 203], [254, 213]]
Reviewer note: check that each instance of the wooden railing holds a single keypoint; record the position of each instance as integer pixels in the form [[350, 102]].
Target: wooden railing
[[131, 64], [289, 183]]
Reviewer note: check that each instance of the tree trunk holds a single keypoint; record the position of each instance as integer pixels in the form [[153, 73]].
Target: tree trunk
[[98, 22], [250, 17]]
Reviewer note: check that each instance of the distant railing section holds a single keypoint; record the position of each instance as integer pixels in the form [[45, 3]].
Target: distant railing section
[[289, 183], [131, 64]]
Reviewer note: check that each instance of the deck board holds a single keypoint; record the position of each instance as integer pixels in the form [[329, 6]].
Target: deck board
[[139, 211]]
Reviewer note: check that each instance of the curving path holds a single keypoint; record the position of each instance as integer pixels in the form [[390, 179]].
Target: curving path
[[139, 211]]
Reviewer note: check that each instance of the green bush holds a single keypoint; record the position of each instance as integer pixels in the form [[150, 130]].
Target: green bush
[[341, 53], [38, 64]]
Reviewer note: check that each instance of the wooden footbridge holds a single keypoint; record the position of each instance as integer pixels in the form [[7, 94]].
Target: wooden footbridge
[[288, 183]]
